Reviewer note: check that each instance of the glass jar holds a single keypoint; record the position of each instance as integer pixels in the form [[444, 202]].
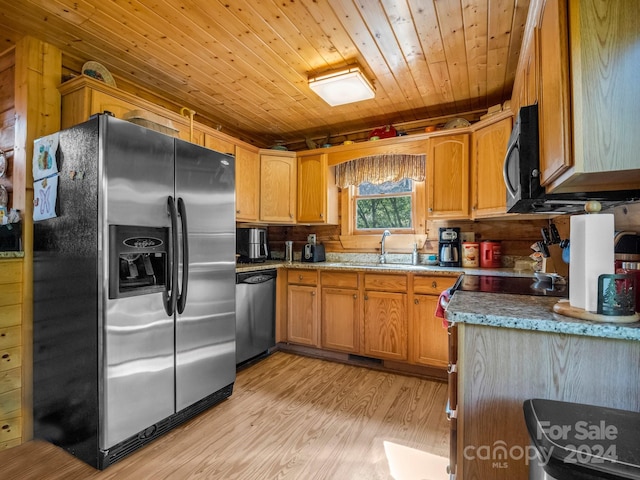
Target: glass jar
[[632, 268]]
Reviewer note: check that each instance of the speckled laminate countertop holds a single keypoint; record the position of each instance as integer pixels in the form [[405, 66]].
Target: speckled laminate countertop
[[529, 313]]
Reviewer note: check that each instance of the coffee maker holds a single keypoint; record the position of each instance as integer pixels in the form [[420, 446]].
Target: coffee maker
[[449, 246]]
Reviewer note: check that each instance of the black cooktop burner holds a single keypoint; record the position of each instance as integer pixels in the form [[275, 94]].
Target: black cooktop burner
[[514, 285]]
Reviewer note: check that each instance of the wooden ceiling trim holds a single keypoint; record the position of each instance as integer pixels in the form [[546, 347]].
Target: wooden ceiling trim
[[516, 38]]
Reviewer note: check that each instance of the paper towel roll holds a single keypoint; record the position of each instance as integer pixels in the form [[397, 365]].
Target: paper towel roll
[[591, 254]]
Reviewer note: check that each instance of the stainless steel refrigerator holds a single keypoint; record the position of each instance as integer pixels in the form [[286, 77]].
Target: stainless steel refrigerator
[[134, 289]]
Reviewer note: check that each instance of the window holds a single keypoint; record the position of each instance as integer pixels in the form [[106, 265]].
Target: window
[[388, 205]]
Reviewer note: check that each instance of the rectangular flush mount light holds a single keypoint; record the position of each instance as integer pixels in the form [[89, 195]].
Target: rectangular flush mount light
[[345, 86]]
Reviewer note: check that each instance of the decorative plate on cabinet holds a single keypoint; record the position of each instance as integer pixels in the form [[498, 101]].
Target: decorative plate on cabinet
[[99, 72]]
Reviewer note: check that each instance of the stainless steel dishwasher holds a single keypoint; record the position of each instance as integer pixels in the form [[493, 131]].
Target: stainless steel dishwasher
[[255, 313]]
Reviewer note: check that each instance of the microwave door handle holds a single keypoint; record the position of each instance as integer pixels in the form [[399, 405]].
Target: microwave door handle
[[169, 295], [182, 297], [505, 169]]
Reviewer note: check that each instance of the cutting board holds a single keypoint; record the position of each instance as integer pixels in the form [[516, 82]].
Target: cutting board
[[563, 307]]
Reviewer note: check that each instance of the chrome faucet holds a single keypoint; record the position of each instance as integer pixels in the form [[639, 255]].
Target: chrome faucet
[[383, 254]]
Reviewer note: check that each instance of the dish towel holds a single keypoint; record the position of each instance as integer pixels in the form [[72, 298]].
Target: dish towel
[[443, 301]]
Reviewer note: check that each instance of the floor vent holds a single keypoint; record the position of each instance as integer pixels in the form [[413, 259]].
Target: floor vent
[[365, 360]]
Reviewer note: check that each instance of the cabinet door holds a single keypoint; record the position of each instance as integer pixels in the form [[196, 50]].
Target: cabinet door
[[488, 190], [448, 177], [430, 339], [385, 325], [340, 314], [218, 144], [317, 200], [277, 188], [302, 315], [554, 114], [247, 184]]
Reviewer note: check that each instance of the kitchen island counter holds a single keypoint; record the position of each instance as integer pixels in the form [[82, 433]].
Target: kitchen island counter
[[511, 348], [527, 312]]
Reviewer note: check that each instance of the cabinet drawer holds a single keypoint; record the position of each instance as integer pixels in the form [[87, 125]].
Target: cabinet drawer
[[432, 284], [10, 403], [344, 280], [385, 282], [10, 431], [303, 277], [10, 358], [10, 337]]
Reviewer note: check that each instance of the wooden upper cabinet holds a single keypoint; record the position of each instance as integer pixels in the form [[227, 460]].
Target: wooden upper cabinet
[[488, 192], [247, 184], [219, 144], [317, 200], [277, 186], [589, 99], [554, 106], [448, 176]]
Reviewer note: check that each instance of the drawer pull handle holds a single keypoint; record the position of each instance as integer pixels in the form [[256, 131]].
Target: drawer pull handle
[[5, 356], [416, 301], [313, 294], [300, 277], [366, 297], [434, 284], [355, 296], [5, 427]]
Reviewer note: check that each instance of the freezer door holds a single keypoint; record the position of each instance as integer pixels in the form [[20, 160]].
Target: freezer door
[[205, 330], [137, 336]]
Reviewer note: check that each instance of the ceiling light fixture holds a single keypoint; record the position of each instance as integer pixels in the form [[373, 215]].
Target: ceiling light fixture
[[341, 87]]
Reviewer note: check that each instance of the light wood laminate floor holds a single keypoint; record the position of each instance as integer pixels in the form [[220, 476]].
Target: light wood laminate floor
[[290, 417]]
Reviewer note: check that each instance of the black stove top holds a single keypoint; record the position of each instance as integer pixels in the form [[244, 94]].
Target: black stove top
[[514, 285]]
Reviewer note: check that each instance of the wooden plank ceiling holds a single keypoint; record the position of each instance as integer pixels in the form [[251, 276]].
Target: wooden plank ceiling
[[243, 64]]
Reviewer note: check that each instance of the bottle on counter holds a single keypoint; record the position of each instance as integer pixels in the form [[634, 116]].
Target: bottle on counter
[[414, 255]]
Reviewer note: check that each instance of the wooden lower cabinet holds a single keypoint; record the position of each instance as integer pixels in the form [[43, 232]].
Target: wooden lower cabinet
[[387, 316], [302, 315], [428, 344], [385, 325], [429, 337], [340, 319]]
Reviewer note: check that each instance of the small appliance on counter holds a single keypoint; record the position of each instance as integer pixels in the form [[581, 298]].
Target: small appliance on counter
[[449, 246], [490, 254], [312, 252], [252, 245]]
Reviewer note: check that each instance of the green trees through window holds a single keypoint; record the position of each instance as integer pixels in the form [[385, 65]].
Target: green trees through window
[[388, 205]]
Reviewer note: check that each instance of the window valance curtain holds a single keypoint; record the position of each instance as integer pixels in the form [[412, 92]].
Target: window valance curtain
[[379, 169]]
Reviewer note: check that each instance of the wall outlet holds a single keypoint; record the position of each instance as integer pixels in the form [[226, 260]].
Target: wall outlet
[[311, 238]]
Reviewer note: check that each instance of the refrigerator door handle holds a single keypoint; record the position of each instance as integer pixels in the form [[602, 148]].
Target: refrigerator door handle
[[169, 295], [182, 296]]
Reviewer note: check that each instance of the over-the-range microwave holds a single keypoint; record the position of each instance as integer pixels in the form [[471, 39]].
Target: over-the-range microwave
[[521, 173]]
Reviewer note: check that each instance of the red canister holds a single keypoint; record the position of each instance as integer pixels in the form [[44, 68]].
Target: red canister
[[490, 254]]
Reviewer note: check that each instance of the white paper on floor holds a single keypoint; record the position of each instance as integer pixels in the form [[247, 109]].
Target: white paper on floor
[[406, 463]]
